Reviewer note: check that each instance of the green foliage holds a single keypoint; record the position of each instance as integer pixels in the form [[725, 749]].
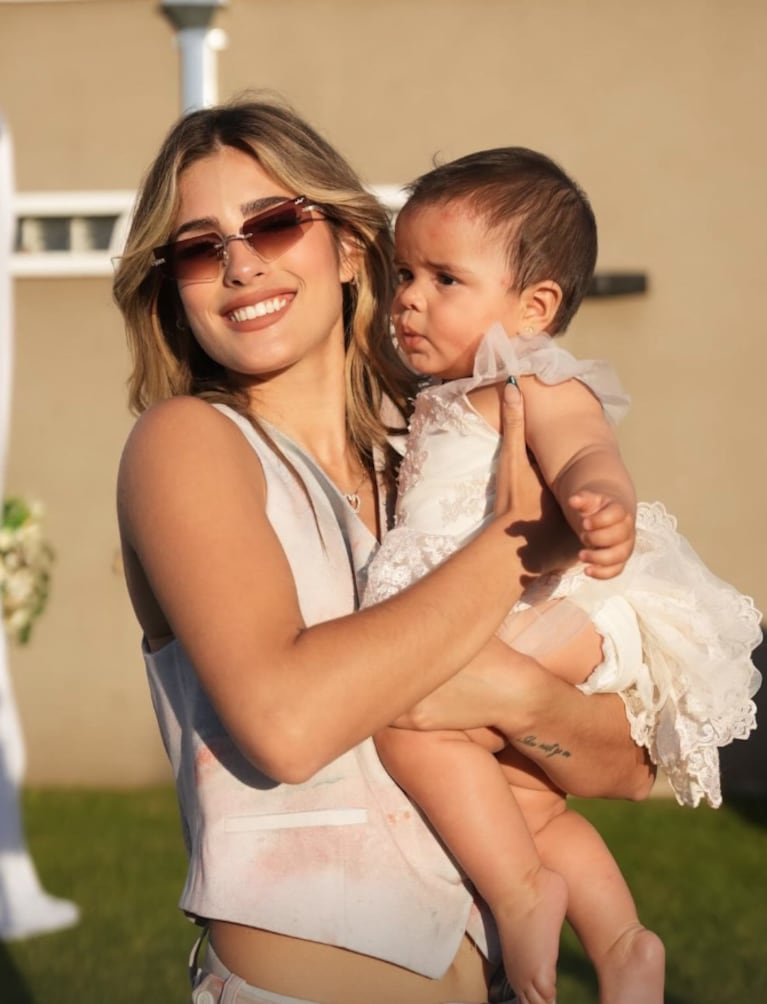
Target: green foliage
[[26, 558], [698, 877], [15, 513]]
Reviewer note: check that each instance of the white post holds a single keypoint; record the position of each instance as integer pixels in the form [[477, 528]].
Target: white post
[[198, 44], [25, 908]]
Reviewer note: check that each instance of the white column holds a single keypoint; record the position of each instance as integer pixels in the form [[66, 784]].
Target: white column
[[199, 71], [198, 45]]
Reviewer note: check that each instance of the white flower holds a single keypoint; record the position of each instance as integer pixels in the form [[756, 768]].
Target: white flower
[[25, 563]]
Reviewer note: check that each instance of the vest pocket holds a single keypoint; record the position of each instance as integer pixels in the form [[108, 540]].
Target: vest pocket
[[296, 820]]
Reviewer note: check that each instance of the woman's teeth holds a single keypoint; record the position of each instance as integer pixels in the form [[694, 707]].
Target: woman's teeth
[[260, 309]]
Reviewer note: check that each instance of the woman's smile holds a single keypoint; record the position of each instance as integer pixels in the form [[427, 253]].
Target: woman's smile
[[270, 307]]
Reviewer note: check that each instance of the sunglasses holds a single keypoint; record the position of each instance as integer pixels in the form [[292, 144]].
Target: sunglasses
[[268, 234]]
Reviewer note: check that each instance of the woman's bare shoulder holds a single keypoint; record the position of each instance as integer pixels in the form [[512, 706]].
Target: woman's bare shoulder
[[182, 451], [178, 428], [175, 417]]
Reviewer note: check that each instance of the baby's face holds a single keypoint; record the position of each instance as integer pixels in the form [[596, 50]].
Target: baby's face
[[453, 285]]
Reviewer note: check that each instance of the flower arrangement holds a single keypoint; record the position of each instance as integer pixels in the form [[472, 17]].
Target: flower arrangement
[[25, 563]]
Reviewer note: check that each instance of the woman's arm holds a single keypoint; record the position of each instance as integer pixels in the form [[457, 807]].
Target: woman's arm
[[191, 505], [582, 743]]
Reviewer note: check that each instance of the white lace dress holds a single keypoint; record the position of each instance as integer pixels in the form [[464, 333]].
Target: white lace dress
[[677, 640]]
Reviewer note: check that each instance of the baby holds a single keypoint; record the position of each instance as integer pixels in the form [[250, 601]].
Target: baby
[[495, 252]]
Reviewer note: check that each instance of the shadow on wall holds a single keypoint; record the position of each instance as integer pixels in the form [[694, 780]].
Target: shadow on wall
[[744, 763]]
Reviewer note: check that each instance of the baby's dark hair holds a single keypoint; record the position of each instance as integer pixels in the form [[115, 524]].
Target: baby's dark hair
[[541, 213]]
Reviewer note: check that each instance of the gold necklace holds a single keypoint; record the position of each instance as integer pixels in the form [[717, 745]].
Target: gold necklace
[[353, 497]]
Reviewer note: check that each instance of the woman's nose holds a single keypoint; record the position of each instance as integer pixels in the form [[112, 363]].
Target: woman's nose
[[241, 263]]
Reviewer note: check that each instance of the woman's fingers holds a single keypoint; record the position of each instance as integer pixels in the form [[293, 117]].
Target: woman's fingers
[[513, 456], [519, 487], [523, 498]]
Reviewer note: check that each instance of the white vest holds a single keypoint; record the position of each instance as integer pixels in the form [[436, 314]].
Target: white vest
[[344, 858]]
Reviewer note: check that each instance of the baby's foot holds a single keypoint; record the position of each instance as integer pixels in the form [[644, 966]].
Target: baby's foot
[[633, 970], [529, 926]]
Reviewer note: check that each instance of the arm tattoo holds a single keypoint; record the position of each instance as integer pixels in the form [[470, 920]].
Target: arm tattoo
[[549, 749]]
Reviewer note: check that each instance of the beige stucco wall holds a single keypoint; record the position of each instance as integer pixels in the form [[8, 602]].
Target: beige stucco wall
[[656, 108]]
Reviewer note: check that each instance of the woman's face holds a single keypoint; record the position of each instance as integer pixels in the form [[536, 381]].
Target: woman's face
[[258, 317]]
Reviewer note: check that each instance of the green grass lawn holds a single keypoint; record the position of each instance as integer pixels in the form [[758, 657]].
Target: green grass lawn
[[699, 877]]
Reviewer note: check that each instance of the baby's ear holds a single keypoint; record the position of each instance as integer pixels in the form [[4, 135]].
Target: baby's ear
[[540, 303]]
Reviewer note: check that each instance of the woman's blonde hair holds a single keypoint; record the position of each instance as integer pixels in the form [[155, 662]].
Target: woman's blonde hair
[[167, 360]]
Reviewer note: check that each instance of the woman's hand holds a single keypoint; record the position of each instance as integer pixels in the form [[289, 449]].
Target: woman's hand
[[523, 499], [583, 744], [500, 688]]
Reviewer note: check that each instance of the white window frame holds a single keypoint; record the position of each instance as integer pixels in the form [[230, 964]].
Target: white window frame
[[76, 206], [72, 206]]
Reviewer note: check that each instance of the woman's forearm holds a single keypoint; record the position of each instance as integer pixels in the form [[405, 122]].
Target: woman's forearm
[[583, 743]]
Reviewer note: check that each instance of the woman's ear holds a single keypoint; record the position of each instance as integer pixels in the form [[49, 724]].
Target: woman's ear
[[349, 257], [540, 303]]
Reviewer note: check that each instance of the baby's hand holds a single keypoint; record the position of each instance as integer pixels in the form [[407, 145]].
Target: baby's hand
[[606, 533]]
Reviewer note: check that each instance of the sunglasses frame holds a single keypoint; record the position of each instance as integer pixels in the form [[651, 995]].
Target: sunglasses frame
[[214, 249]]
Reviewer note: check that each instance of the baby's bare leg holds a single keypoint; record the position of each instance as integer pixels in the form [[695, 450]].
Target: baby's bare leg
[[467, 794], [461, 788], [628, 958], [558, 635], [457, 781]]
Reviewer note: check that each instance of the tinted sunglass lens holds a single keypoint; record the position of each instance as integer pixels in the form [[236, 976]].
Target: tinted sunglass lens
[[195, 260], [270, 236]]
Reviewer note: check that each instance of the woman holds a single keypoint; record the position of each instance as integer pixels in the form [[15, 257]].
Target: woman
[[255, 287]]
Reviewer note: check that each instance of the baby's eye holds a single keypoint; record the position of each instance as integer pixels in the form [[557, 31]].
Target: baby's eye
[[404, 275], [446, 280]]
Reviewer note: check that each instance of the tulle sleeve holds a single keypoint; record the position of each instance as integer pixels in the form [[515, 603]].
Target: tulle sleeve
[[499, 356]]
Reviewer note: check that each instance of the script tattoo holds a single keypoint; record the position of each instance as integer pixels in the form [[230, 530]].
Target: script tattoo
[[550, 749]]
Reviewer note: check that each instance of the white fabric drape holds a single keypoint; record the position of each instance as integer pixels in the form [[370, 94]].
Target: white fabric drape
[[25, 908]]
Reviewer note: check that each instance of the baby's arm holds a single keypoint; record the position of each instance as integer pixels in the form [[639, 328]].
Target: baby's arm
[[577, 452]]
